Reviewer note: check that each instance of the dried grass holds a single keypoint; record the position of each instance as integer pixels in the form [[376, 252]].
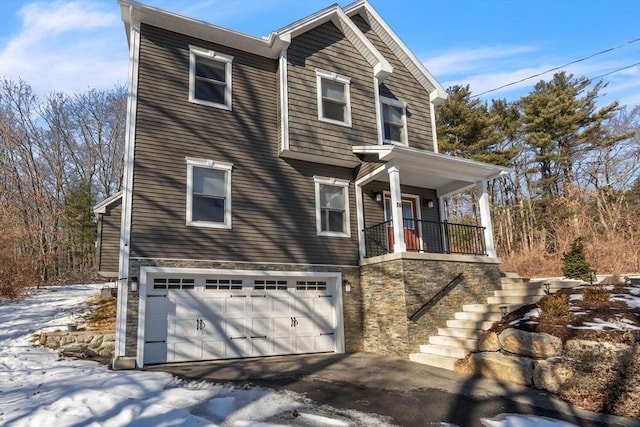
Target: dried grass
[[103, 314]]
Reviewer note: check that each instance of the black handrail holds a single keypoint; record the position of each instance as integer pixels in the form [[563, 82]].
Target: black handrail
[[437, 297]]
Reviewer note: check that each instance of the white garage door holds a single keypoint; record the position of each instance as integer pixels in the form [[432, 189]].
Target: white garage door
[[204, 318]]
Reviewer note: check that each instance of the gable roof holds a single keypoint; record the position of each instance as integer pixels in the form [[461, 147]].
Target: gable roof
[[103, 205], [408, 59], [381, 67]]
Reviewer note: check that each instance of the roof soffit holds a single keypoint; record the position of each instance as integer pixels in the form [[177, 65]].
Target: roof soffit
[[408, 59]]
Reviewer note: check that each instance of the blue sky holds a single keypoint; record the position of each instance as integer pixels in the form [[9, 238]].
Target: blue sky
[[73, 46]]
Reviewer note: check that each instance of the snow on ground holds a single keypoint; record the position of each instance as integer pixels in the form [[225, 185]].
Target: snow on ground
[[39, 389]]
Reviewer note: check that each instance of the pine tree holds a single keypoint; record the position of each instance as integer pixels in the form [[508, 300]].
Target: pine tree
[[574, 262]]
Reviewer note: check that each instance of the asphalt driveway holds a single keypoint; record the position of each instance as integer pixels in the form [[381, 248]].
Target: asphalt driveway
[[410, 393]]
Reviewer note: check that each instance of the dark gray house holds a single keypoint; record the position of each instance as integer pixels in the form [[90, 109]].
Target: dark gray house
[[283, 195]]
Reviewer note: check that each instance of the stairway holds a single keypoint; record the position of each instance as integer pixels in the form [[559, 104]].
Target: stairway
[[462, 333]]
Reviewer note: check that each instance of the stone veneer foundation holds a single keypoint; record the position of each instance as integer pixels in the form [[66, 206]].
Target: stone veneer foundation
[[385, 291], [395, 286]]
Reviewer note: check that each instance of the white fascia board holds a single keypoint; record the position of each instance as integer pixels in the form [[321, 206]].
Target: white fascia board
[[398, 47], [449, 166], [269, 47], [382, 68], [102, 206]]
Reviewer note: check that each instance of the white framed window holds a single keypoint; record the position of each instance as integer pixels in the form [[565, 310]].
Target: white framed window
[[209, 78], [208, 193], [394, 121], [332, 207], [334, 98]]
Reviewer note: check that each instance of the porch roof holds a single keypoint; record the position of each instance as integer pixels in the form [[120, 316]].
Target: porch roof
[[420, 168]]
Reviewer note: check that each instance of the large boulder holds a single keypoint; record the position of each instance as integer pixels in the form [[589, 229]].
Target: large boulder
[[489, 342], [511, 369], [532, 344], [552, 374]]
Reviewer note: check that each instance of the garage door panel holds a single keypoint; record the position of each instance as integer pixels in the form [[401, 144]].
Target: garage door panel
[[304, 325], [261, 346], [323, 304], [324, 342], [186, 302], [324, 324], [237, 347], [235, 305], [236, 327], [213, 348], [304, 344], [282, 345], [182, 328], [182, 351], [212, 329], [259, 304], [303, 304], [213, 306], [261, 326], [282, 303]]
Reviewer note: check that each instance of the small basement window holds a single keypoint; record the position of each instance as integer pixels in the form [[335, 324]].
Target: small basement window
[[334, 99], [209, 78]]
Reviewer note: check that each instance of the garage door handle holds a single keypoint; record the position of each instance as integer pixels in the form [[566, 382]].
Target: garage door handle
[[237, 338], [237, 296], [259, 336]]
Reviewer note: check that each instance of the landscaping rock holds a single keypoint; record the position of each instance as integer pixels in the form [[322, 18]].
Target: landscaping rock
[[533, 344], [489, 341], [552, 374], [513, 369]]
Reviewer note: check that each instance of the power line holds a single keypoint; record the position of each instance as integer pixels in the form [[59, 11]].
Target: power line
[[559, 67], [615, 71]]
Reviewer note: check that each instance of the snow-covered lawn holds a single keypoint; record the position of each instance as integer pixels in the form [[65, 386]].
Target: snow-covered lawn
[[39, 389]]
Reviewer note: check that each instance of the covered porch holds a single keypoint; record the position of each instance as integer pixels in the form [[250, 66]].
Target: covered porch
[[400, 195]]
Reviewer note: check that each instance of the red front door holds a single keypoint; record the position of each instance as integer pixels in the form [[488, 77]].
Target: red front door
[[410, 226]]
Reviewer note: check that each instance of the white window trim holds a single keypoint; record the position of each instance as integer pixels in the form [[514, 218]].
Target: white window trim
[[226, 59], [321, 180], [346, 81], [211, 164], [395, 103]]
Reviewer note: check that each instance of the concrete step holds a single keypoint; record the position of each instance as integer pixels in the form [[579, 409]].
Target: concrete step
[[487, 308], [459, 332], [510, 274], [520, 292], [444, 350], [442, 362], [505, 280], [465, 315], [538, 285], [513, 300], [466, 343], [560, 284], [470, 324]]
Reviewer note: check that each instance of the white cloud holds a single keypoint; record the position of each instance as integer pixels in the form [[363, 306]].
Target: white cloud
[[460, 60], [67, 46]]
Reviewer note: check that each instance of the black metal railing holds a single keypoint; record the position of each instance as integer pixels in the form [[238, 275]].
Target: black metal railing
[[376, 239], [437, 297], [426, 236]]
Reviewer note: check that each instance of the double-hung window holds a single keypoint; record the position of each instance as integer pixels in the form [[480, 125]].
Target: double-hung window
[[394, 121], [332, 207], [209, 78], [334, 98], [208, 193]]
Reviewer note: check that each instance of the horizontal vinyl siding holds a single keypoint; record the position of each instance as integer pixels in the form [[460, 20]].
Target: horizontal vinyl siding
[[402, 85], [273, 200], [110, 238], [374, 211], [327, 49]]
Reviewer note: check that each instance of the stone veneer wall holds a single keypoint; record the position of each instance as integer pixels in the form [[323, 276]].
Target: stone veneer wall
[[352, 301], [395, 286]]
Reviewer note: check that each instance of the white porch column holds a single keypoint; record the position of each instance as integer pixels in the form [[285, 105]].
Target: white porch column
[[396, 208], [485, 217]]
